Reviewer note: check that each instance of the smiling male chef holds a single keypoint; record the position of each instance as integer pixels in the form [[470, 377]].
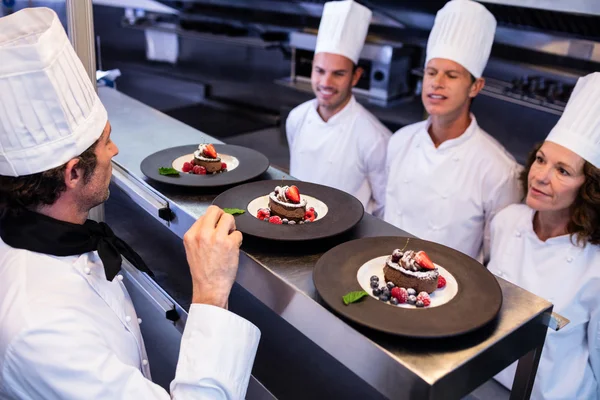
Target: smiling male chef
[[334, 140], [447, 177], [68, 329]]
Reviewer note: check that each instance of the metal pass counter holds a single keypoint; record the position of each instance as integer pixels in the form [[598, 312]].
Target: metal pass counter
[[275, 291]]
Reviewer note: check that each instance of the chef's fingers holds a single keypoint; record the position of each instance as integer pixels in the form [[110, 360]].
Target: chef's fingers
[[226, 225], [211, 218], [236, 237]]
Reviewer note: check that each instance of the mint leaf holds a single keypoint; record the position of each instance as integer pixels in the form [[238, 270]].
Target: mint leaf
[[353, 297], [234, 211], [168, 171]]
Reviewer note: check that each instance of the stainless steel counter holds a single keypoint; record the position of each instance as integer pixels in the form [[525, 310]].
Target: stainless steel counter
[[280, 277]]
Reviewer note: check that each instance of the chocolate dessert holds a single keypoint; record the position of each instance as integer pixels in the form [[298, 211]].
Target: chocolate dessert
[[287, 203], [411, 269]]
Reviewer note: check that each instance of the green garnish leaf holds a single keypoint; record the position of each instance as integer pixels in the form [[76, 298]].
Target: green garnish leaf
[[168, 171], [353, 297], [234, 211]]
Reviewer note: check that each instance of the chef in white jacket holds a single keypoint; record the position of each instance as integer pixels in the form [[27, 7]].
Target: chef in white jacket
[[68, 328], [551, 246], [446, 176], [335, 141]]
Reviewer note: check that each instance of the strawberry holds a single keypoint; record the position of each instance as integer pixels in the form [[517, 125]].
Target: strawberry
[[223, 165], [441, 282], [424, 261], [275, 220], [209, 151], [187, 167], [293, 194]]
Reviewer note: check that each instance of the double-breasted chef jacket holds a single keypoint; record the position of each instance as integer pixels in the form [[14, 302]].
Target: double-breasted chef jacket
[[347, 152], [567, 275], [68, 333], [449, 194]]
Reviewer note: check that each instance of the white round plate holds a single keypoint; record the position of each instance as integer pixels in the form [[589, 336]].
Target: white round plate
[[231, 161], [263, 202]]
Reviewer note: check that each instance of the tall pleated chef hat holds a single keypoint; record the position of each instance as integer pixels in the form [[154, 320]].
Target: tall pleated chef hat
[[463, 32], [49, 111], [343, 29], [578, 129]]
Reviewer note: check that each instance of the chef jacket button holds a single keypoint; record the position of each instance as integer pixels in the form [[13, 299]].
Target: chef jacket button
[[144, 362], [139, 321], [569, 259], [518, 234], [455, 158], [399, 213], [418, 145], [444, 196], [405, 181], [87, 270], [120, 277], [128, 318]]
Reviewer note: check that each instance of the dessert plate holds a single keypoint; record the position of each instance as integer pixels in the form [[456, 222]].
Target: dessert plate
[[475, 303], [338, 211], [243, 164]]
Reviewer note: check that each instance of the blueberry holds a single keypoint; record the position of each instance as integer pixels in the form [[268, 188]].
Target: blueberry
[[411, 292], [292, 223], [396, 255], [285, 220], [316, 215], [308, 221], [385, 289], [375, 278], [394, 301], [374, 284], [376, 292], [384, 297], [412, 299], [390, 285], [420, 303]]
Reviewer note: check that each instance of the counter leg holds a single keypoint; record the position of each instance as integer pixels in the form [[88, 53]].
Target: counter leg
[[526, 371]]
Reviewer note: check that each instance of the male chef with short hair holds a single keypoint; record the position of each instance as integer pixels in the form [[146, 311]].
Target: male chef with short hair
[[68, 328], [335, 141], [447, 177]]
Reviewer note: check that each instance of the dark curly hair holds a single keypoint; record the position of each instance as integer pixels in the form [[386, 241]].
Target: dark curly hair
[[584, 226], [32, 191]]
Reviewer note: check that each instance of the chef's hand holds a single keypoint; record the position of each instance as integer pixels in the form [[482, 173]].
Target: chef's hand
[[212, 247]]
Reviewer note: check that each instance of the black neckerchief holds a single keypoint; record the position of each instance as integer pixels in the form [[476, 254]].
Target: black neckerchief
[[39, 233]]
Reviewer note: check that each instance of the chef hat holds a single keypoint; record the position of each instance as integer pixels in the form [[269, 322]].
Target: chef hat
[[343, 29], [463, 32], [579, 127], [49, 111]]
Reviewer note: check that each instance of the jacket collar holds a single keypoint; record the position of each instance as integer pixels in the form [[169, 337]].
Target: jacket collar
[[452, 143], [339, 118]]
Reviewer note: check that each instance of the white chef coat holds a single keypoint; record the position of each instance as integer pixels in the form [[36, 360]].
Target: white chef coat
[[569, 277], [347, 152], [68, 333], [449, 194]]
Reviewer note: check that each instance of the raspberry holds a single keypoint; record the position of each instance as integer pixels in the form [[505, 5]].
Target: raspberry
[[223, 165], [400, 293], [263, 213], [424, 297], [441, 282], [275, 220], [187, 167], [202, 170], [310, 216], [196, 169]]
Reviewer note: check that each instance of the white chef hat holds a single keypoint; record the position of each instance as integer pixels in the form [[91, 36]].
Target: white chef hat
[[343, 29], [463, 32], [579, 127], [49, 111]]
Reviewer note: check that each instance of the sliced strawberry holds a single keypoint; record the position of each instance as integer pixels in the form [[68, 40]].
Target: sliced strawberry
[[209, 151], [309, 215], [293, 194], [424, 261]]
